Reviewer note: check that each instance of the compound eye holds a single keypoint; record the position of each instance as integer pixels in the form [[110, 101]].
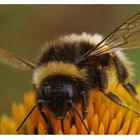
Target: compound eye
[[46, 91], [69, 91]]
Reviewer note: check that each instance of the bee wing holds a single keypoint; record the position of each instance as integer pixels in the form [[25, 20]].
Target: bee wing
[[126, 36], [10, 59]]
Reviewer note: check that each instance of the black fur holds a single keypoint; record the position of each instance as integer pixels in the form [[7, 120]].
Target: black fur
[[64, 51]]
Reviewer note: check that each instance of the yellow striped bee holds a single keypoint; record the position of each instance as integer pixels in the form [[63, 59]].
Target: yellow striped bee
[[71, 65]]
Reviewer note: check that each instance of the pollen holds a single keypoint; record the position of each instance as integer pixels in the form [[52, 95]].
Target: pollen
[[103, 117]]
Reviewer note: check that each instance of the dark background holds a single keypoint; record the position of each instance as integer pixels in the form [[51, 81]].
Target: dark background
[[24, 28]]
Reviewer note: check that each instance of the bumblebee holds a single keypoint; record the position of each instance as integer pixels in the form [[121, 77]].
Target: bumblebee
[[70, 66]]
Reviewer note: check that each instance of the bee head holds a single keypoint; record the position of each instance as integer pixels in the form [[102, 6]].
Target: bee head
[[57, 83], [58, 90]]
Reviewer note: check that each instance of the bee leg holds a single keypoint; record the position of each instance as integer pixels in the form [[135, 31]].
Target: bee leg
[[84, 103], [131, 89], [49, 129], [103, 87], [122, 74], [102, 79], [120, 102]]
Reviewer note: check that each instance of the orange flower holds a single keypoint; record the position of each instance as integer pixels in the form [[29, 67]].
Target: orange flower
[[103, 117]]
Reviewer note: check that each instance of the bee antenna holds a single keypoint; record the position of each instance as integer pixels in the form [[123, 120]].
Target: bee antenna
[[79, 115], [26, 117]]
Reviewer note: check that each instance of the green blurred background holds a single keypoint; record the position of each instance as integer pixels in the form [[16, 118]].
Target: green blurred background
[[24, 28]]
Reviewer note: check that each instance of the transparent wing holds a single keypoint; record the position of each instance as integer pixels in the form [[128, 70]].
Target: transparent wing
[[126, 36], [10, 59]]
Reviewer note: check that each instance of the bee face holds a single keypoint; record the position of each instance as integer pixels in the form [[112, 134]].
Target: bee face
[[57, 91]]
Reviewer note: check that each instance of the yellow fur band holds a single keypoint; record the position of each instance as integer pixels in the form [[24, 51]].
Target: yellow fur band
[[57, 68]]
